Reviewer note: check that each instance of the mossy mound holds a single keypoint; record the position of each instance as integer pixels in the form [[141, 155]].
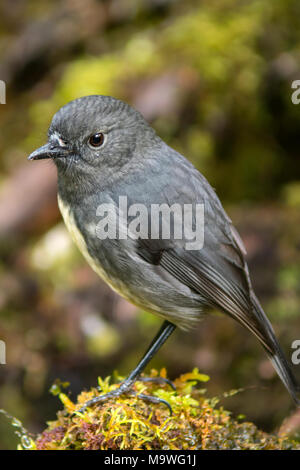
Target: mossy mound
[[131, 423]]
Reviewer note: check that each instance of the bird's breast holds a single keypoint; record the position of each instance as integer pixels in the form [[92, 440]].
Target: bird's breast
[[76, 234], [79, 239]]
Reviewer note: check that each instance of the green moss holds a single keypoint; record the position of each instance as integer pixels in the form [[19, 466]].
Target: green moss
[[128, 422]]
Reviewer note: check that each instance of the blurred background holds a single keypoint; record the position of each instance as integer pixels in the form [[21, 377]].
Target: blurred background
[[214, 79]]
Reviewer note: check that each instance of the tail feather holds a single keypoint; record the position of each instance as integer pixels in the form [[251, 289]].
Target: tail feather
[[286, 376], [275, 353]]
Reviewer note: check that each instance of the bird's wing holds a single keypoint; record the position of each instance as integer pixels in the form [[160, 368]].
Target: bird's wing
[[218, 271]]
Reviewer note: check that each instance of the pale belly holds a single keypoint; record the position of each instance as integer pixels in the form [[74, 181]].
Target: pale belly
[[79, 240]]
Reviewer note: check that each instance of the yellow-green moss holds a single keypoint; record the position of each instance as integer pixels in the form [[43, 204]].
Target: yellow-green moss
[[128, 422]]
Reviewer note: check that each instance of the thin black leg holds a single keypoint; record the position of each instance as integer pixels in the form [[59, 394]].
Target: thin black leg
[[165, 331]]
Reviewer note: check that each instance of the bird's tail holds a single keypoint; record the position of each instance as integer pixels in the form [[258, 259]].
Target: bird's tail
[[275, 353]]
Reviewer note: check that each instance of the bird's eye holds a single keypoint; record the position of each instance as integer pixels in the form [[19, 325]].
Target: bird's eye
[[96, 140]]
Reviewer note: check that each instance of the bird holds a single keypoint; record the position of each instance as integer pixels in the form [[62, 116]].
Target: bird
[[104, 150]]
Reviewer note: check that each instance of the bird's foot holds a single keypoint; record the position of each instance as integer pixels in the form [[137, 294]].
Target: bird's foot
[[125, 388], [155, 380], [158, 380]]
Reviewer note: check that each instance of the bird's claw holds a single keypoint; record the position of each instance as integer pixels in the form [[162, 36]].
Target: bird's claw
[[158, 380], [153, 399], [126, 389]]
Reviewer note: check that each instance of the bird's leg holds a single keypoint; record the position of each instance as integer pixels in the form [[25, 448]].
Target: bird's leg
[[165, 331]]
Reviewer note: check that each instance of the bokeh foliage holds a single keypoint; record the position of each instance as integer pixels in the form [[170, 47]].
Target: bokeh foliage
[[236, 61]]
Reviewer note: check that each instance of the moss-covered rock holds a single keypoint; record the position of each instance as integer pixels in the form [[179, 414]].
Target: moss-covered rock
[[130, 423]]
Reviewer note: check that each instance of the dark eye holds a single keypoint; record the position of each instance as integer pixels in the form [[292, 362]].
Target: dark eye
[[96, 140]]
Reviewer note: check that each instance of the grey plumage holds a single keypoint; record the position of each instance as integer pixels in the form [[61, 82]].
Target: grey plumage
[[158, 275]]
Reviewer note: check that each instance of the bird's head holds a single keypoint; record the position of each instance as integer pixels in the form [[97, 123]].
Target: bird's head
[[94, 136]]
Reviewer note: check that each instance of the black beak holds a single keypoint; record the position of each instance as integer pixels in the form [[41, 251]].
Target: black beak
[[49, 151]]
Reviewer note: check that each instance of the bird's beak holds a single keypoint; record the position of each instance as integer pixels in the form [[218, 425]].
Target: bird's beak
[[49, 151]]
